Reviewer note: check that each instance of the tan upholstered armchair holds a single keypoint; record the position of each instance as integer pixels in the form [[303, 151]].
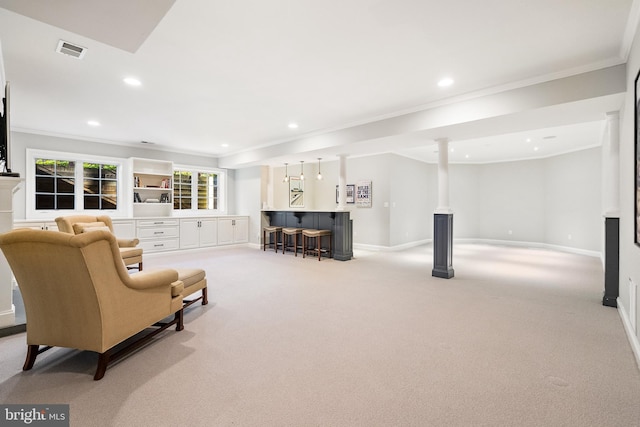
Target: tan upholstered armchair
[[78, 294], [77, 224]]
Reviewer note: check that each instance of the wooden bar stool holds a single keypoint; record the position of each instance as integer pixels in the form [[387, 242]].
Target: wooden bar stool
[[287, 232], [269, 230], [317, 235]]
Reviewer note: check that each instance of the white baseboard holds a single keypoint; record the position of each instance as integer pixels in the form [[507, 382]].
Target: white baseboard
[[377, 248], [633, 339], [578, 251], [482, 241], [198, 250]]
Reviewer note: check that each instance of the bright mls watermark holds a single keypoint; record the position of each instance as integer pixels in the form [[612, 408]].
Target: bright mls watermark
[[34, 415]]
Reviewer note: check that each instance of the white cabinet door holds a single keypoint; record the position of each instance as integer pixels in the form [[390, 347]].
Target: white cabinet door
[[225, 231], [208, 232], [241, 232], [198, 232], [124, 229], [189, 233], [233, 230]]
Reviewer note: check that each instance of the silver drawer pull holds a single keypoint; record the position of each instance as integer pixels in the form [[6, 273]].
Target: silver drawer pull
[[159, 222], [158, 245], [158, 232]]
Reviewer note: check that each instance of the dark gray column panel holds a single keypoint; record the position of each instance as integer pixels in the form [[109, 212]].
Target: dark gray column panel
[[443, 246], [611, 261]]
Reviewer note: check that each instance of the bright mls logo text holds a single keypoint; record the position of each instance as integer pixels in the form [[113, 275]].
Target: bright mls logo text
[[49, 415]]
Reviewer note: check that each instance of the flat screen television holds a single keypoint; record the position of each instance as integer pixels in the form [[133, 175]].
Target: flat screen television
[[5, 135]]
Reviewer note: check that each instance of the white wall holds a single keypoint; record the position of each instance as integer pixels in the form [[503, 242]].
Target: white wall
[[248, 200], [629, 252], [412, 198], [539, 201], [573, 200], [511, 198]]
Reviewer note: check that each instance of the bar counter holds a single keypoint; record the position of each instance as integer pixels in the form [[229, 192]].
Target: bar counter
[[338, 222]]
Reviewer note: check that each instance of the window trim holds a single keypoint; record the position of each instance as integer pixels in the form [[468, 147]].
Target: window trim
[[80, 159], [222, 191]]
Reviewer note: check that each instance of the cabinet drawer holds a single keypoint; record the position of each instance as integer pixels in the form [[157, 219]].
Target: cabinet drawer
[[157, 222], [157, 232], [160, 245]]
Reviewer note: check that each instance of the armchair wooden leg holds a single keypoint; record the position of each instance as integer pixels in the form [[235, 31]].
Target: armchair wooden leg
[[205, 299], [140, 266], [32, 353], [179, 320], [103, 361]]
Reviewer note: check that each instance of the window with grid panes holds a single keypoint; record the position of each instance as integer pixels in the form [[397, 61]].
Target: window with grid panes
[[197, 189], [100, 186], [181, 189], [207, 190], [54, 184], [72, 182]]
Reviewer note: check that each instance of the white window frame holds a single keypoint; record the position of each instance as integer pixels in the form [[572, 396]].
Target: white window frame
[[222, 191], [30, 207]]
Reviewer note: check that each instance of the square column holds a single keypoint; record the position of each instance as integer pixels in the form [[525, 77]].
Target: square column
[[443, 218], [611, 261], [442, 245]]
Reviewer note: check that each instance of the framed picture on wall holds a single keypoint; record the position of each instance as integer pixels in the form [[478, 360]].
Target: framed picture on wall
[[363, 194], [351, 190], [636, 124], [296, 192]]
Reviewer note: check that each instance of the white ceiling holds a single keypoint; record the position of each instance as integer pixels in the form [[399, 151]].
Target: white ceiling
[[220, 72]]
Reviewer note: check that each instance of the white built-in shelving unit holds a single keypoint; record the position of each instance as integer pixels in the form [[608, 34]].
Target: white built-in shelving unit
[[152, 187]]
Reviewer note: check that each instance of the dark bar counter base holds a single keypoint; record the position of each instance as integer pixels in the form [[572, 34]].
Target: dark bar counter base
[[338, 222]]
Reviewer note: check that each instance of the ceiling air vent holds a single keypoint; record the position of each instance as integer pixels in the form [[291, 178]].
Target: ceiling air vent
[[70, 49]]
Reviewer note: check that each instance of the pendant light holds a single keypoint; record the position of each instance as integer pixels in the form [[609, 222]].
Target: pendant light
[[301, 170], [319, 173], [286, 173]]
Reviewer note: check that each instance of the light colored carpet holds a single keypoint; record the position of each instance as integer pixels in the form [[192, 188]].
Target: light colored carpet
[[518, 338]]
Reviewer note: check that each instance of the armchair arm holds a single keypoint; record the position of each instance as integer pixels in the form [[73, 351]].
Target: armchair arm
[[152, 279], [128, 243]]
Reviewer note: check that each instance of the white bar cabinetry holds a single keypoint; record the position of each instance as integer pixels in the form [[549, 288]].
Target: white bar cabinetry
[[198, 232], [36, 225], [157, 235], [232, 230], [124, 228]]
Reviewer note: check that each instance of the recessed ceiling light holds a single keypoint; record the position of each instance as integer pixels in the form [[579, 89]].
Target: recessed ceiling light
[[293, 126], [466, 156], [93, 123], [452, 149], [536, 148], [528, 139], [447, 81], [224, 145], [132, 81]]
